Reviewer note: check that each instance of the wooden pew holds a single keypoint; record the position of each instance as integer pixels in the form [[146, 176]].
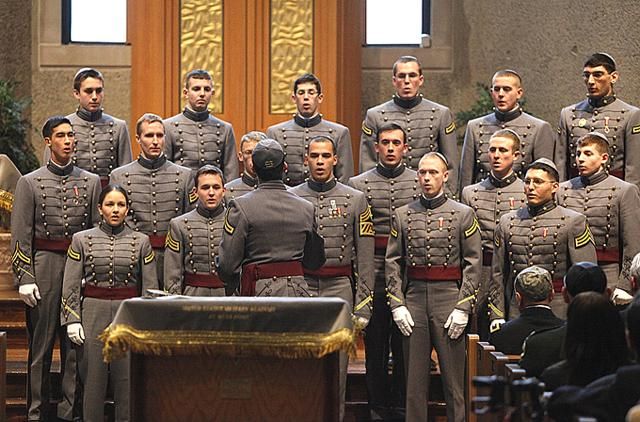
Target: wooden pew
[[3, 376]]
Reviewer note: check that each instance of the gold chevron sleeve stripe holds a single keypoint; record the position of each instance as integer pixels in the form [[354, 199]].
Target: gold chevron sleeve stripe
[[18, 254], [390, 296], [584, 238], [635, 130], [227, 226], [466, 299], [366, 215], [450, 128], [69, 309], [366, 130], [73, 254], [474, 228], [193, 197], [394, 232], [147, 259], [171, 243]]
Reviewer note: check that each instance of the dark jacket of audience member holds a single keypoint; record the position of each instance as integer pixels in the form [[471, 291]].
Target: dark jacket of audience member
[[594, 343]]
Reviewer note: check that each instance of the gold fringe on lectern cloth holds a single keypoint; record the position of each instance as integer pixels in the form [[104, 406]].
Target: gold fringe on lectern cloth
[[119, 339]]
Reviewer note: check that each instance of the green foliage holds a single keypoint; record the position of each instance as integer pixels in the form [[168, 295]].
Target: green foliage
[[482, 106], [13, 130]]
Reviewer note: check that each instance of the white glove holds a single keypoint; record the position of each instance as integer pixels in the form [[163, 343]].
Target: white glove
[[76, 333], [360, 322], [495, 324], [403, 320], [29, 294], [620, 297], [456, 323]]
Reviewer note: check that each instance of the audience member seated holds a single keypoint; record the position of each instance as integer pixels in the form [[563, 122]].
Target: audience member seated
[[611, 397], [534, 292], [594, 343], [544, 348]]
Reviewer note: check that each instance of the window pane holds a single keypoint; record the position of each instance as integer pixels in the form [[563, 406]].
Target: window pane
[[99, 21], [394, 22]]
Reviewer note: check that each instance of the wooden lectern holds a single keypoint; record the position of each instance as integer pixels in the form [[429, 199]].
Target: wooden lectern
[[232, 359]]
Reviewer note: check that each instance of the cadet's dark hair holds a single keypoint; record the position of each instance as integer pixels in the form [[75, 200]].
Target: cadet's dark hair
[[548, 169], [509, 134], [149, 118], [324, 138], [585, 277], [208, 169], [254, 135], [601, 59], [52, 123], [308, 78], [112, 187], [507, 72], [196, 74], [84, 73], [388, 127], [595, 138], [406, 59]]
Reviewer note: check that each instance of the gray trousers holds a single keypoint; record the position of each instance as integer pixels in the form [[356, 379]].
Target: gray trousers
[[430, 304], [335, 287], [43, 324], [97, 314], [159, 253], [293, 286]]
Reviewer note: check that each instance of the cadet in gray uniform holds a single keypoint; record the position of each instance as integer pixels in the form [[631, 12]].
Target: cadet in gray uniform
[[193, 239], [195, 137], [387, 187], [105, 265], [502, 191], [536, 136], [158, 189], [612, 210], [542, 234], [294, 135], [269, 234], [248, 181], [433, 266], [429, 126], [102, 141], [601, 112], [345, 223], [50, 205]]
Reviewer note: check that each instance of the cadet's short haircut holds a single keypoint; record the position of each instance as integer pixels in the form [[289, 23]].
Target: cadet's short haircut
[[507, 72], [594, 138], [548, 169], [197, 74], [265, 175], [406, 59], [149, 118], [509, 134], [323, 138], [388, 127], [253, 136], [84, 73], [208, 169], [112, 187], [307, 78], [601, 59], [438, 155], [52, 123], [585, 277]]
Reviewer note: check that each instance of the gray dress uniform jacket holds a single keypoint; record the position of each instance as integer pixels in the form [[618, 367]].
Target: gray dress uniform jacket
[[433, 265], [344, 221], [158, 190], [193, 139], [294, 136], [191, 248], [50, 205], [537, 141], [612, 208], [429, 127], [105, 265], [102, 143], [617, 120], [238, 187], [270, 226], [549, 236], [491, 199]]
